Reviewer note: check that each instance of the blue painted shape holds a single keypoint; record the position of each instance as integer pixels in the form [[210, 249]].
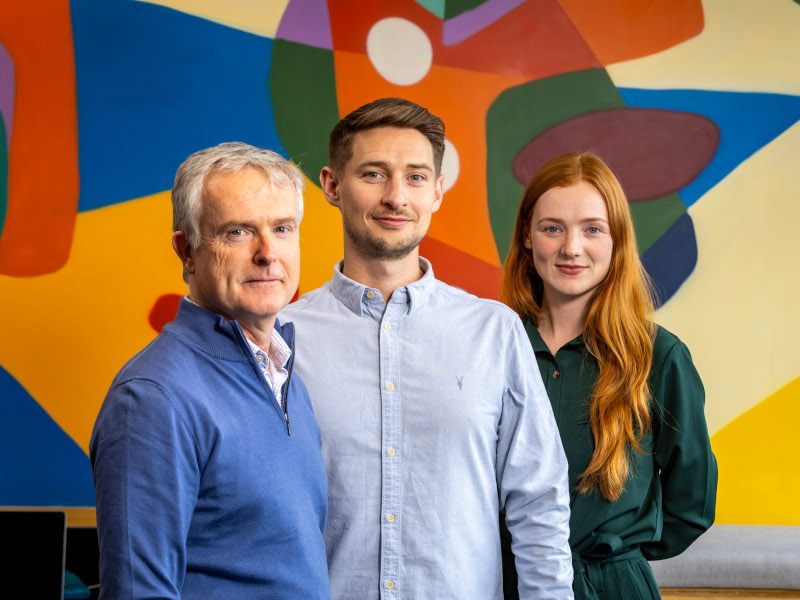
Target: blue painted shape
[[42, 465], [155, 85], [747, 122], [672, 258]]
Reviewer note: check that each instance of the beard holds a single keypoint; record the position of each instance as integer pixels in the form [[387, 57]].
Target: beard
[[377, 248]]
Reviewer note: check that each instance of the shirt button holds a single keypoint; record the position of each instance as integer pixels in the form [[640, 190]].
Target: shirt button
[[390, 386], [390, 518], [388, 327], [370, 294], [556, 374], [391, 451], [389, 584]]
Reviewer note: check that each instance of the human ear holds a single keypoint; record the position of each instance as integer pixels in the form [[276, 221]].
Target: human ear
[[180, 244], [438, 191], [527, 239], [330, 185]]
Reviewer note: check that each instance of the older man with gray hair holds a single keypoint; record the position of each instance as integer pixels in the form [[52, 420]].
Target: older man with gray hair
[[206, 453]]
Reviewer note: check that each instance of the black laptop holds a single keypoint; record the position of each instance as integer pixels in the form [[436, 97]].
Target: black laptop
[[33, 551]]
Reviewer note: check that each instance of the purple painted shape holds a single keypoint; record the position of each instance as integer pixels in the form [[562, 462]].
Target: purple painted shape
[[7, 90], [466, 24], [306, 22], [654, 152]]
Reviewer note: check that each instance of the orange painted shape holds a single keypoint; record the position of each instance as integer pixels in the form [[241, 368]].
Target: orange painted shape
[[536, 39], [620, 30], [43, 158], [461, 98], [462, 270]]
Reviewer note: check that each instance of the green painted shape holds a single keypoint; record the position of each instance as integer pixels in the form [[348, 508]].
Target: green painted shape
[[520, 114], [654, 217], [433, 6], [453, 8], [3, 174], [303, 89]]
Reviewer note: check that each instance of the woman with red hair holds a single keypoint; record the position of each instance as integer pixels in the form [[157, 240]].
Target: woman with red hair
[[626, 396]]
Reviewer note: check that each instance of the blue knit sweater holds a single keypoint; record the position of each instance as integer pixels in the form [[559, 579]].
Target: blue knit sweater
[[202, 492]]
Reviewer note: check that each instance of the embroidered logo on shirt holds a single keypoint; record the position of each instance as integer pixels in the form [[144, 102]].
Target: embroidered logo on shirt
[[460, 381]]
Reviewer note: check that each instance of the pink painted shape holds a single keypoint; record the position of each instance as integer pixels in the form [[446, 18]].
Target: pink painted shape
[[306, 22], [7, 90], [467, 24]]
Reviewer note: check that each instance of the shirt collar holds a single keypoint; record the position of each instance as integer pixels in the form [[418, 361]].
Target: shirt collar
[[538, 343], [278, 353], [353, 294]]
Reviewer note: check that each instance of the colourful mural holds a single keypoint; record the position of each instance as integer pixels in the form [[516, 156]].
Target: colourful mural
[[695, 104]]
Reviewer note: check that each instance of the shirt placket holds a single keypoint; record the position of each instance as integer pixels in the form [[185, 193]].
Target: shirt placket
[[391, 450]]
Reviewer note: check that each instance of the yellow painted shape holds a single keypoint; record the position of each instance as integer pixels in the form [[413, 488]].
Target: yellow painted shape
[[70, 332], [321, 239], [759, 481], [744, 46], [737, 312], [260, 17], [67, 334]]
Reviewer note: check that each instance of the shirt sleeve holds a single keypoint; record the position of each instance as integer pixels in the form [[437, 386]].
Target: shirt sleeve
[[147, 478], [683, 457], [532, 477]]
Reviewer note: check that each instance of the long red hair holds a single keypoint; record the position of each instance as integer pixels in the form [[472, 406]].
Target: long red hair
[[619, 327]]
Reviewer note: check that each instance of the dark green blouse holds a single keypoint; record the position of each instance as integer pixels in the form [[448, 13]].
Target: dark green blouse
[[669, 499]]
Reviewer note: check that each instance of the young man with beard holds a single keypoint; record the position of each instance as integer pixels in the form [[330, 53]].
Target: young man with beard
[[432, 410]]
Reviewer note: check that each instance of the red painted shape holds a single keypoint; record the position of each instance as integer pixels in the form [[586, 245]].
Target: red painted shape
[[461, 269], [536, 39], [43, 157], [164, 310], [653, 152]]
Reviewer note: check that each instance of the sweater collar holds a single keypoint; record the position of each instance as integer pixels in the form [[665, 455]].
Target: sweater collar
[[211, 333]]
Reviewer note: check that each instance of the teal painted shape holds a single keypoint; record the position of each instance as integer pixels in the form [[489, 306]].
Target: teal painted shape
[[41, 465], [434, 6], [3, 175]]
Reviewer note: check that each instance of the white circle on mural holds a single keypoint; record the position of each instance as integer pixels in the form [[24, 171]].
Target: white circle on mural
[[399, 50], [450, 164]]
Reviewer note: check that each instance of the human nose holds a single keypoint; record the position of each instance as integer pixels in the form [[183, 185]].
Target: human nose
[[393, 194], [264, 251], [572, 243]]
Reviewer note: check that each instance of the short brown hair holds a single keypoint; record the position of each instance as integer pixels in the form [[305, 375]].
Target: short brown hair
[[385, 112]]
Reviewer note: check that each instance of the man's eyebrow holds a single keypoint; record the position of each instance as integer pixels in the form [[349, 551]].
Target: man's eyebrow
[[380, 164], [279, 220], [419, 166], [288, 220]]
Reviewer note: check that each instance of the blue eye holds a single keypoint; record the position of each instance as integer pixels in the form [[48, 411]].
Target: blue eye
[[552, 229], [593, 229]]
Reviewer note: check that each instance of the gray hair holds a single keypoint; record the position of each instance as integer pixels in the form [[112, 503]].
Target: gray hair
[[187, 191]]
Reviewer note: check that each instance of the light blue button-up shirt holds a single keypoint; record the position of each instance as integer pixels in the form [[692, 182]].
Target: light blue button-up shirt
[[433, 417]]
